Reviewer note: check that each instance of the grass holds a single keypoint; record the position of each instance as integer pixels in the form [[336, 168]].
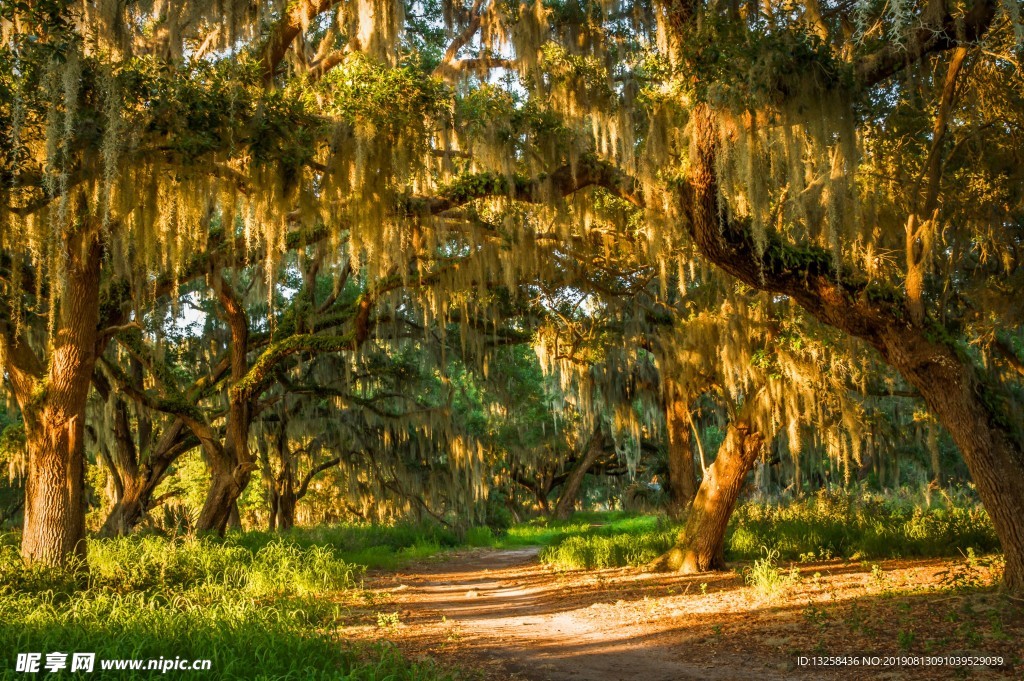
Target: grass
[[545, 531], [860, 526], [767, 579], [824, 526], [274, 606], [599, 540], [385, 547], [266, 610]]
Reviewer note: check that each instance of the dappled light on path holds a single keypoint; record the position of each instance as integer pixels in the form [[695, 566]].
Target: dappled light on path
[[505, 613]]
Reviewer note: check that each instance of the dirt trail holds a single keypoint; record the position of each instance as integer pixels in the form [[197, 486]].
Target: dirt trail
[[501, 612], [502, 609]]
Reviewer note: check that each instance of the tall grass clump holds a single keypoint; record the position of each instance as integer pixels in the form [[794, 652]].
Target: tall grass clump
[[840, 524], [618, 541], [766, 578], [373, 546], [602, 551], [273, 611]]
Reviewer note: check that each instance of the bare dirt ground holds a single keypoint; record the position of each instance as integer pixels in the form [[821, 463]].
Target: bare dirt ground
[[503, 614]]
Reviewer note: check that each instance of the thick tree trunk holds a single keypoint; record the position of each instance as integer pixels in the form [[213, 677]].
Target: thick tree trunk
[[128, 511], [54, 530], [52, 398], [137, 497], [137, 483], [701, 544], [682, 474], [972, 407], [571, 488]]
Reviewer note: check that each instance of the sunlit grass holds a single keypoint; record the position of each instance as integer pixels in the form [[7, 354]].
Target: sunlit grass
[[271, 610], [849, 525], [544, 531], [819, 527]]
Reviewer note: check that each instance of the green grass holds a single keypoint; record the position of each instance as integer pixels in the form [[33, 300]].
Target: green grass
[[827, 525], [545, 532], [269, 610], [594, 551], [596, 540], [374, 546], [860, 526], [767, 579]]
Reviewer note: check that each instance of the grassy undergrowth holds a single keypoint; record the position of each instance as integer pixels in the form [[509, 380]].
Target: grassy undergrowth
[[256, 609], [372, 546], [824, 526]]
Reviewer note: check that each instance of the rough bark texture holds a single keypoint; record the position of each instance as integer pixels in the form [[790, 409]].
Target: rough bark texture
[[54, 530], [571, 489], [682, 474], [52, 398], [969, 405], [701, 544], [137, 496]]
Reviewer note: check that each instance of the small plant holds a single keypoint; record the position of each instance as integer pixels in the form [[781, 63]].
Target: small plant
[[387, 620], [905, 638], [766, 578], [973, 572], [815, 615], [703, 588]]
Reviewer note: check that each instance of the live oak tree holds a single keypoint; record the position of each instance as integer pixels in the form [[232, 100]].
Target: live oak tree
[[767, 130], [774, 373], [144, 142]]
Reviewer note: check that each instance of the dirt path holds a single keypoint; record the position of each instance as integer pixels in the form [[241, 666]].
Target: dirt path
[[502, 609], [504, 614]]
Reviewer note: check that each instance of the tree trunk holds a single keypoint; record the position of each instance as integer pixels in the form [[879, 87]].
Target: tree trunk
[[220, 498], [701, 544], [54, 530], [137, 483], [272, 515], [286, 508], [52, 397], [682, 474], [571, 488], [128, 511], [234, 517], [231, 464]]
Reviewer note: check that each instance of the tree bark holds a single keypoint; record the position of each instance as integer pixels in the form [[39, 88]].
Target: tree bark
[[54, 530], [701, 544], [234, 517], [138, 468], [52, 398], [682, 473], [285, 504], [571, 488]]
